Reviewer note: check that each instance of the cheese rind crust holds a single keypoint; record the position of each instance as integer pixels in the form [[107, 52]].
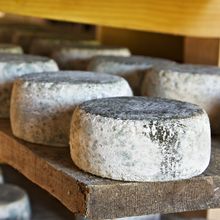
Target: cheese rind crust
[[140, 139], [78, 57], [13, 66], [14, 203], [11, 48], [196, 84], [132, 68], [42, 104]]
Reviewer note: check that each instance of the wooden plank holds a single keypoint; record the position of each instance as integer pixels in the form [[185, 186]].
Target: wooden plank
[[201, 50], [43, 205], [143, 43], [52, 169], [188, 18], [38, 164]]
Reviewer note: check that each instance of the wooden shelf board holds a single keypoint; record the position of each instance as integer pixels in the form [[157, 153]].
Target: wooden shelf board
[[188, 18], [97, 198], [43, 205]]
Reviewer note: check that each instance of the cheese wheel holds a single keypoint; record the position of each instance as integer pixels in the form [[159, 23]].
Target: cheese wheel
[[9, 30], [98, 61], [10, 48], [14, 203], [26, 36], [45, 46], [42, 104], [133, 68], [78, 57], [15, 65], [140, 139], [191, 83]]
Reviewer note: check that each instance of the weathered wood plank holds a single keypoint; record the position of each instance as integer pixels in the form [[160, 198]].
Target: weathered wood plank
[[43, 166], [43, 205], [190, 18], [97, 198]]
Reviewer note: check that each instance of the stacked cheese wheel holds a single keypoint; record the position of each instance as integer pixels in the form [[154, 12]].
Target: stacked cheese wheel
[[77, 57], [42, 104], [140, 139], [10, 48], [191, 83], [14, 203], [26, 36], [11, 67], [45, 46], [132, 68]]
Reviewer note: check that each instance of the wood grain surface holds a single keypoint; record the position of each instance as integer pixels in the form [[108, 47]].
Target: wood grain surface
[[43, 205], [202, 50], [188, 18]]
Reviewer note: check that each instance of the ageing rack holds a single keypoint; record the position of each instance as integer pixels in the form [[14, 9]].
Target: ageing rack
[[198, 23]]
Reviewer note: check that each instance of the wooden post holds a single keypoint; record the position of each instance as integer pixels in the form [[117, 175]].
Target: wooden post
[[143, 43], [201, 50]]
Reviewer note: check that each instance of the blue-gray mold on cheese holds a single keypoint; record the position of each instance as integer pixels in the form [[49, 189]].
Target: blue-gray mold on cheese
[[14, 203], [77, 57], [198, 84], [45, 46], [140, 139], [11, 48], [141, 108], [13, 66], [132, 68], [131, 60], [71, 77], [42, 104]]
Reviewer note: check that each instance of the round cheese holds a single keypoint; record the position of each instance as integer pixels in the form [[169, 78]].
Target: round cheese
[[26, 36], [14, 65], [140, 139], [133, 68], [10, 48], [42, 104], [78, 57], [8, 31], [45, 46], [14, 203], [191, 83]]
